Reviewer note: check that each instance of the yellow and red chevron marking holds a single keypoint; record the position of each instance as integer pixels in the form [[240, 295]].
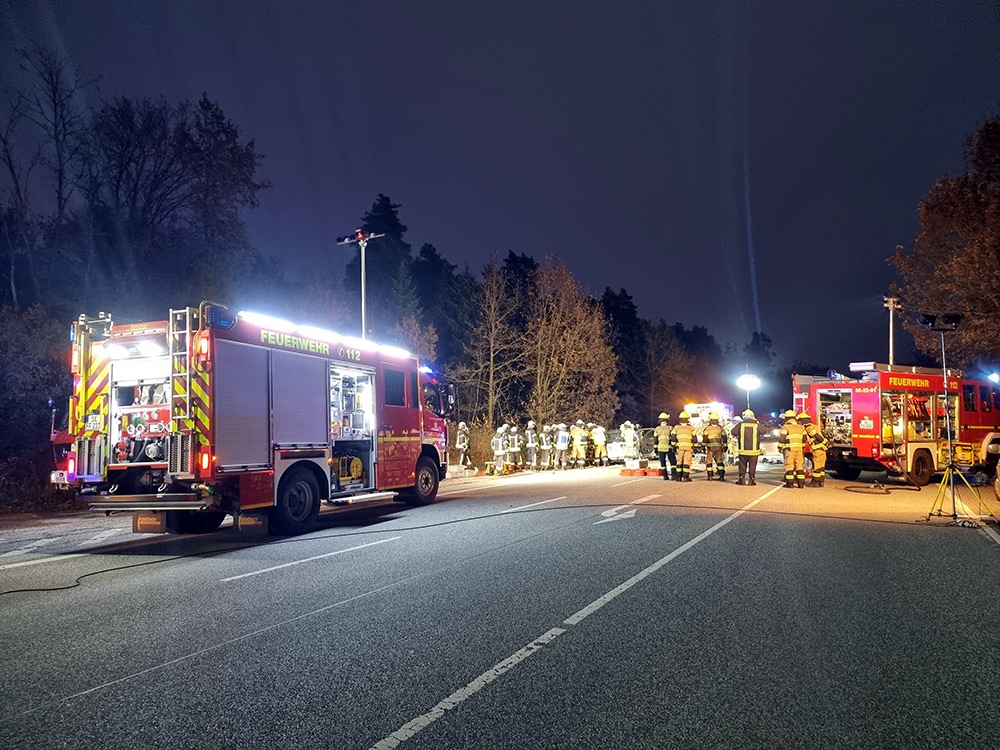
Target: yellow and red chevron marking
[[96, 379], [201, 404]]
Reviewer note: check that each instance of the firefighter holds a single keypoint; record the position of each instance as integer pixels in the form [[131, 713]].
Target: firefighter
[[715, 447], [627, 430], [531, 445], [514, 441], [499, 445], [545, 447], [682, 441], [562, 445], [791, 441], [600, 438], [462, 445], [662, 434], [578, 433], [819, 444], [748, 447]]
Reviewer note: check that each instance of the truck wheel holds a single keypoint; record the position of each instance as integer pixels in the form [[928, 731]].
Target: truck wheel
[[847, 473], [923, 469], [193, 522], [425, 484], [298, 503]]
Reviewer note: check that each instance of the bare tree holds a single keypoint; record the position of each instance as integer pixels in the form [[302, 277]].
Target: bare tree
[[18, 230], [568, 359], [57, 105], [667, 367], [492, 354]]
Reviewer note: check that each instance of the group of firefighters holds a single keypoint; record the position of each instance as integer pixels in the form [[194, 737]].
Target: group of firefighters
[[557, 446], [675, 446]]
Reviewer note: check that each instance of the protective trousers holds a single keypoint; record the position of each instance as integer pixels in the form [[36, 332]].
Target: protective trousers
[[794, 467]]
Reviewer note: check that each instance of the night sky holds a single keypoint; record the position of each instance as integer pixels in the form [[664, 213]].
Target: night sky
[[733, 165]]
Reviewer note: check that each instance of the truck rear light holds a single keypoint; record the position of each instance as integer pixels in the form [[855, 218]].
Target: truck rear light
[[204, 347], [875, 452], [71, 467], [205, 459]]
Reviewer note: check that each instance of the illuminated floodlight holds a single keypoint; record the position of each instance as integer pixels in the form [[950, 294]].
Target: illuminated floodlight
[[116, 351], [318, 333], [993, 377], [748, 382], [149, 348], [266, 321], [356, 343], [393, 351]]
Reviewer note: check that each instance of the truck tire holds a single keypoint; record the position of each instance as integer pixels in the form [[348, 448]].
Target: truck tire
[[193, 522], [425, 484], [298, 503], [923, 469]]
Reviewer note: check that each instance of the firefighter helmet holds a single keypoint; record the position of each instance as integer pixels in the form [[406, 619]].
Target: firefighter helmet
[[789, 414], [714, 415], [747, 414], [803, 417], [683, 415], [663, 415], [461, 425], [531, 423]]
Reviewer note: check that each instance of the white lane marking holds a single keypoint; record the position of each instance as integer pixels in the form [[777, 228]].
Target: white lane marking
[[411, 728], [986, 529], [41, 560], [31, 546], [595, 605], [98, 538], [309, 559], [631, 481], [532, 505]]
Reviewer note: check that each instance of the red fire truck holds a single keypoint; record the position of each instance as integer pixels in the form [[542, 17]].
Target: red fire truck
[[211, 413], [895, 419]]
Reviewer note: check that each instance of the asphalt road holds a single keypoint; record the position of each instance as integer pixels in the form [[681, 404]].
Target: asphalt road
[[577, 609]]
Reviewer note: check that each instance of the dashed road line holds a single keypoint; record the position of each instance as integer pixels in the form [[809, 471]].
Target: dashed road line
[[309, 559], [532, 505]]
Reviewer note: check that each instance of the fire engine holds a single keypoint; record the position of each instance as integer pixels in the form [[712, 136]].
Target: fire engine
[[211, 413], [896, 419]]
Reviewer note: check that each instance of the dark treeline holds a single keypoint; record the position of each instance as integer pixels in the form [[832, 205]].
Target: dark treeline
[[135, 206]]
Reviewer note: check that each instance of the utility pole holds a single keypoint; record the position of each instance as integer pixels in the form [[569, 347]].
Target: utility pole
[[892, 305], [361, 239]]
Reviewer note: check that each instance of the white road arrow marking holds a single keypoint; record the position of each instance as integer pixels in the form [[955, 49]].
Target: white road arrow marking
[[614, 515]]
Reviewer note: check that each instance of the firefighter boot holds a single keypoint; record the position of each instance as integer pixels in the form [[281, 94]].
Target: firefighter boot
[[740, 481], [814, 482], [801, 483], [722, 475], [666, 475], [789, 484]]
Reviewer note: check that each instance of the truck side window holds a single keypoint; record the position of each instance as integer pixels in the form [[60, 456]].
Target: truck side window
[[984, 398], [395, 388], [968, 398]]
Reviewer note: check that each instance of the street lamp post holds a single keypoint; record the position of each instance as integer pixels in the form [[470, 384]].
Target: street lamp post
[[748, 382], [361, 239]]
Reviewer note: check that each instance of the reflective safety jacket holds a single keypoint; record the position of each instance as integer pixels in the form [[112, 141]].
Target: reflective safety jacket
[[682, 437], [713, 434], [748, 437], [816, 437], [791, 436], [662, 433]]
